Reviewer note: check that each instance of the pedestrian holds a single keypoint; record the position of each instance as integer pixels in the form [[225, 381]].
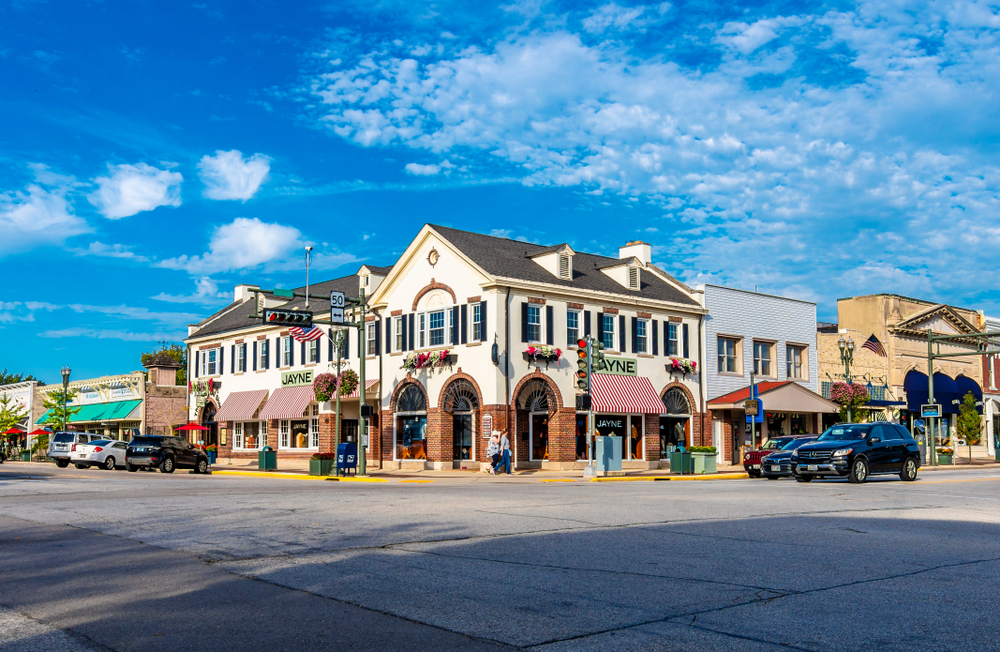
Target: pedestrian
[[493, 452], [504, 454]]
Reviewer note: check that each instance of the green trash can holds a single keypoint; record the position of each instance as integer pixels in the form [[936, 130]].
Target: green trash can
[[996, 446], [681, 462], [267, 459], [25, 456]]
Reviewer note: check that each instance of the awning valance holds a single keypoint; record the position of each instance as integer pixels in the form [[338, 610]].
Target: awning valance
[[241, 406], [288, 403], [116, 411], [368, 386], [624, 395]]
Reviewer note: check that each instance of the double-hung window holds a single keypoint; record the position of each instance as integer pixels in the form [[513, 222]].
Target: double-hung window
[[436, 328], [572, 326], [284, 433], [238, 434], [534, 323], [397, 324], [728, 358], [642, 336], [477, 322], [796, 359], [241, 358], [210, 362], [314, 427], [608, 335], [370, 339], [673, 346], [312, 352], [762, 358], [261, 354], [286, 352]]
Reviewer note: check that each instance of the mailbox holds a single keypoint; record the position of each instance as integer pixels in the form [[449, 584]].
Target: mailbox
[[347, 457]]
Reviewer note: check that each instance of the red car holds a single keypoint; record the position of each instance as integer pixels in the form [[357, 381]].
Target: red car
[[752, 458]]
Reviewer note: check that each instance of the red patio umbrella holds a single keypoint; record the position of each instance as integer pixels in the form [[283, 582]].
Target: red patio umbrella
[[39, 431], [191, 426], [12, 431]]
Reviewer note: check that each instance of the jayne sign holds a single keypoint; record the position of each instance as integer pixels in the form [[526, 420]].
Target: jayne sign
[[618, 366], [296, 378]]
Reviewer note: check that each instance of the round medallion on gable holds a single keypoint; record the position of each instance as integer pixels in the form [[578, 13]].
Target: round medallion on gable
[[433, 257]]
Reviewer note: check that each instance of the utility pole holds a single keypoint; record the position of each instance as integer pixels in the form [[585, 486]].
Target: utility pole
[[338, 342], [753, 419], [929, 424], [362, 394], [308, 250]]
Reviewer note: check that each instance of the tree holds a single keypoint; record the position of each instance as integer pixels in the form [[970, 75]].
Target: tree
[[969, 424], [11, 414], [57, 414], [7, 378], [849, 397], [177, 352]]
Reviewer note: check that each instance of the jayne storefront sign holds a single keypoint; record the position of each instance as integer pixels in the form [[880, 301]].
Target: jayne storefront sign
[[296, 378], [618, 366]]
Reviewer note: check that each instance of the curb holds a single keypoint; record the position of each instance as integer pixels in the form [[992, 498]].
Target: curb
[[679, 478], [355, 479], [270, 474]]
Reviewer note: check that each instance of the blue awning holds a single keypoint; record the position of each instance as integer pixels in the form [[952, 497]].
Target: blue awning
[[945, 391], [965, 386]]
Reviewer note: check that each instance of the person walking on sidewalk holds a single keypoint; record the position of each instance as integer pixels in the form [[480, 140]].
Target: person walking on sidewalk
[[493, 452], [504, 454]]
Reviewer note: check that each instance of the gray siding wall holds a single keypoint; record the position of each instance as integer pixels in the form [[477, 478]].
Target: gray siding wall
[[750, 316]]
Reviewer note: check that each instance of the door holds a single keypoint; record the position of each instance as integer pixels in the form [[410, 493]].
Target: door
[[539, 434], [462, 435], [737, 436], [880, 452]]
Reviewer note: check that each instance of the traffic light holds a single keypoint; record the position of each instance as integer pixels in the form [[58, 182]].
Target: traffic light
[[597, 362], [279, 317], [583, 365]]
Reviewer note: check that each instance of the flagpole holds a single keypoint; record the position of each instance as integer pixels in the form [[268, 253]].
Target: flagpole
[[308, 249]]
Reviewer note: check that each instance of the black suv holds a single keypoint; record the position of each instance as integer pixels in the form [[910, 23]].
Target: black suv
[[857, 451], [165, 453]]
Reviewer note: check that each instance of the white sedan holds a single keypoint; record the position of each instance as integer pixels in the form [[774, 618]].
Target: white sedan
[[105, 453]]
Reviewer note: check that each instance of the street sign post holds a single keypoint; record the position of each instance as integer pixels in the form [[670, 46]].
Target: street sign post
[[337, 302]]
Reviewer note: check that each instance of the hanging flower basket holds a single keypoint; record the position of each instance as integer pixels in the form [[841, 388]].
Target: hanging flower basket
[[432, 360], [682, 366]]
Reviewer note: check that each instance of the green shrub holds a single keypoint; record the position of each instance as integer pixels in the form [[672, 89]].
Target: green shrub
[[703, 449]]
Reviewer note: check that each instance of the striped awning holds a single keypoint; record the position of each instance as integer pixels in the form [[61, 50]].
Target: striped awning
[[241, 406], [624, 395], [368, 386], [287, 403]]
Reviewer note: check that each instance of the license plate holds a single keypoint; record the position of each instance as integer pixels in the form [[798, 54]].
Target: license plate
[[775, 467], [812, 467], [753, 466]]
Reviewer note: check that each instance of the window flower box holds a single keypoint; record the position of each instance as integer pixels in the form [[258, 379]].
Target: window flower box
[[431, 360], [682, 366], [546, 354]]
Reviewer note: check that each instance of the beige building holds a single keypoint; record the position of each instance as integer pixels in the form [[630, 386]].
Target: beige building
[[889, 333]]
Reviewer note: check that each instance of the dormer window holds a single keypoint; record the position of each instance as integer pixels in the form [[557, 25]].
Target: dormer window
[[557, 260], [633, 278], [564, 268]]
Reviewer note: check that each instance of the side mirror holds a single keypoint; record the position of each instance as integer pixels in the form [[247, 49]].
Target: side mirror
[[874, 440]]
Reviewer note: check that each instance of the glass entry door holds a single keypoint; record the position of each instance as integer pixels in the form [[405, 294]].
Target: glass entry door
[[540, 436], [462, 434]]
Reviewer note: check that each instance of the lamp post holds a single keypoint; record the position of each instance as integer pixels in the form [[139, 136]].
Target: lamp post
[[65, 376], [847, 357]]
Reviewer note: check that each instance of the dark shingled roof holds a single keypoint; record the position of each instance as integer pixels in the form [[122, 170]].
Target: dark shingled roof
[[381, 271], [512, 259], [236, 316], [163, 359]]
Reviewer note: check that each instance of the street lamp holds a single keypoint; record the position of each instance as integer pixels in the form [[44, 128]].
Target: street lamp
[[65, 375], [847, 357]]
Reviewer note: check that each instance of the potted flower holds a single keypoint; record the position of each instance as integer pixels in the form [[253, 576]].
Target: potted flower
[[682, 366], [213, 453], [322, 463], [432, 360], [945, 455], [324, 386], [542, 353], [703, 458]]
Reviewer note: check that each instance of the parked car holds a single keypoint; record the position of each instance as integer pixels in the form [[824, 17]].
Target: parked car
[[779, 463], [62, 445], [752, 458], [107, 454], [857, 451], [164, 453]]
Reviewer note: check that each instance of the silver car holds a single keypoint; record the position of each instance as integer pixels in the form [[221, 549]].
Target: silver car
[[107, 454], [62, 444]]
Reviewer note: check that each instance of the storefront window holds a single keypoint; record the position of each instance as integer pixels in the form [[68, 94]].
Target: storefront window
[[540, 436], [581, 436], [775, 424], [672, 433], [613, 425], [800, 424], [411, 437]]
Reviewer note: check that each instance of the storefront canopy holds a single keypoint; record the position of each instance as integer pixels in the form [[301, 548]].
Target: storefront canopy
[[117, 411], [783, 396], [368, 387], [241, 406], [945, 391], [965, 386], [624, 395], [288, 403]]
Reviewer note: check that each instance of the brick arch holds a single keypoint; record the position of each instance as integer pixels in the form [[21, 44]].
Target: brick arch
[[553, 388], [457, 376], [687, 394], [433, 285], [201, 410], [409, 380]]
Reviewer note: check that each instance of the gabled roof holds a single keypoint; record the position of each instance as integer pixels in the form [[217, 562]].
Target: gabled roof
[[744, 393], [507, 258], [236, 316], [381, 271], [781, 396], [912, 322]]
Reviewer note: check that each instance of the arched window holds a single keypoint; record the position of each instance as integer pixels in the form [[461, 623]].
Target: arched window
[[461, 397], [675, 402], [535, 396], [411, 399]]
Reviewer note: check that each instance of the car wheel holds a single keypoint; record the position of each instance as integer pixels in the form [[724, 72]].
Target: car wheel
[[859, 471], [130, 468], [909, 470], [753, 474], [62, 464], [109, 463], [167, 465], [82, 466], [201, 466], [804, 478]]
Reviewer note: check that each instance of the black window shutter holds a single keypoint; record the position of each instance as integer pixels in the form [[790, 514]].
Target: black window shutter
[[666, 338], [291, 352], [197, 355], [600, 327], [232, 359], [655, 332], [255, 356], [412, 321], [621, 333], [221, 366], [687, 351], [347, 344], [454, 325], [319, 353], [524, 321], [378, 337], [329, 338], [388, 334], [303, 352], [635, 335], [244, 358], [465, 324], [482, 321], [550, 326], [406, 342], [586, 322]]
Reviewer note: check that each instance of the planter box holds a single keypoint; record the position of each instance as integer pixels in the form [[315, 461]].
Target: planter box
[[212, 456], [547, 359], [944, 459], [703, 462], [321, 467]]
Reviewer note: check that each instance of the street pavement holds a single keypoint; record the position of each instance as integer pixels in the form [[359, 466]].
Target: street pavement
[[97, 560]]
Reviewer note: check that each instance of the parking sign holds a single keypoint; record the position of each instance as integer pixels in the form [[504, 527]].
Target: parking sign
[[337, 307]]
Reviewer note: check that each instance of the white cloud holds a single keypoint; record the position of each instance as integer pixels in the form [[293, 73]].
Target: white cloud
[[227, 175], [40, 214], [206, 292], [135, 188], [613, 16], [244, 243], [112, 334], [24, 311], [422, 170], [98, 248]]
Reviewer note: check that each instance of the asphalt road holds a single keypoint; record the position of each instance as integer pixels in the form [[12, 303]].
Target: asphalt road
[[97, 560]]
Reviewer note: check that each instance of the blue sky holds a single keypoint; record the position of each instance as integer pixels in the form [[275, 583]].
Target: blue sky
[[153, 155]]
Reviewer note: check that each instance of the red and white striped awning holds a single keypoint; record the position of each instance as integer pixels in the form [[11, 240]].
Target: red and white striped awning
[[241, 406], [624, 395], [368, 386], [288, 403]]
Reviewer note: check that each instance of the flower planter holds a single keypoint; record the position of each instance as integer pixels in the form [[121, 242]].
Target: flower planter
[[538, 358], [212, 456], [321, 467], [703, 462], [944, 458]]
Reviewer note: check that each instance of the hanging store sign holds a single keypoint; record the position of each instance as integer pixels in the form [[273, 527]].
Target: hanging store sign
[[296, 378], [618, 366]]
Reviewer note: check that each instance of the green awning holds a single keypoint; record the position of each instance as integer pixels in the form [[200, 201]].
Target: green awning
[[117, 411]]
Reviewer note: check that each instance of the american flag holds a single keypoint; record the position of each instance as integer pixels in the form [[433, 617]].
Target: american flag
[[873, 345], [307, 334]]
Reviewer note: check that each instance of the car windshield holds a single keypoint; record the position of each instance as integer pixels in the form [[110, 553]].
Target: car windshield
[[146, 441], [63, 437], [795, 443], [774, 444], [844, 433]]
